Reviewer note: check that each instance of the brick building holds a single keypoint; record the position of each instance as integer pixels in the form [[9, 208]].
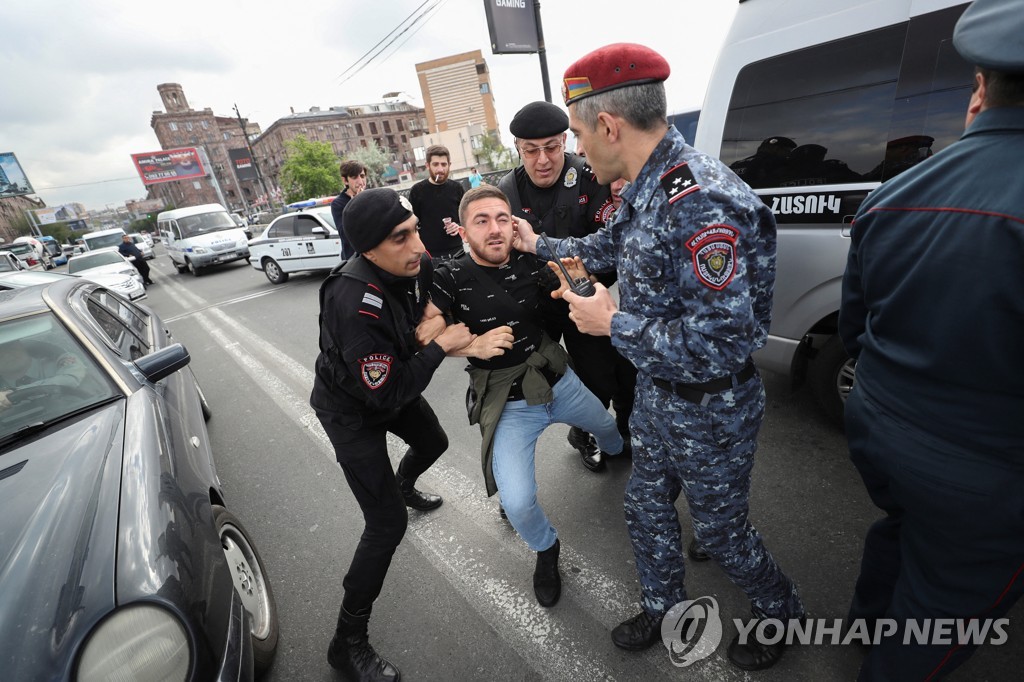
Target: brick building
[[391, 125], [181, 126]]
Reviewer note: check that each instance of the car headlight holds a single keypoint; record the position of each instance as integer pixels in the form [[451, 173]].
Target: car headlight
[[139, 642], [198, 250]]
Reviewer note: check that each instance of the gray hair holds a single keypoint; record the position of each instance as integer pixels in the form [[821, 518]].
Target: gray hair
[[643, 106]]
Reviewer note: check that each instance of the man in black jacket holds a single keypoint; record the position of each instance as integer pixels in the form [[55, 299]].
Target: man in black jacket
[[370, 375], [131, 252]]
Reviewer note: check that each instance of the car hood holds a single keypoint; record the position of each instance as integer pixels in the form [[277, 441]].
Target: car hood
[[108, 274], [58, 534]]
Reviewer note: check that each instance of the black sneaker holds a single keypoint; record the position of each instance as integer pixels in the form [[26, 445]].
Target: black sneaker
[[639, 632]]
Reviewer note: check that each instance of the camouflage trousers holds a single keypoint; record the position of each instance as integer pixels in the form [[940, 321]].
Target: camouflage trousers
[[706, 453]]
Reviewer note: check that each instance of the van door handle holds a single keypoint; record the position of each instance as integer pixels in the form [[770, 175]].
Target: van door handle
[[847, 225]]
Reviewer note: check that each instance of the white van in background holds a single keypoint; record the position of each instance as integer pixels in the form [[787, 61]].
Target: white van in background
[[814, 104], [101, 239], [200, 236]]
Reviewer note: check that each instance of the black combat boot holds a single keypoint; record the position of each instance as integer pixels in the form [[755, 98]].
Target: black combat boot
[[757, 656], [353, 656], [696, 552], [639, 632], [547, 582], [590, 454], [414, 498]]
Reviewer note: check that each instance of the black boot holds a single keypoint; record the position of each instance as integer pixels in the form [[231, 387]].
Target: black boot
[[590, 454], [547, 582], [754, 655], [353, 656], [695, 552], [414, 498], [638, 633]]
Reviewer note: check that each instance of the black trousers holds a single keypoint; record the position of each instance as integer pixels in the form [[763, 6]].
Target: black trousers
[[143, 267], [951, 545], [363, 456]]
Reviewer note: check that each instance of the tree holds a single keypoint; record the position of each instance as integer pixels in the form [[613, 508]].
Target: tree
[[498, 156], [375, 159], [310, 170]]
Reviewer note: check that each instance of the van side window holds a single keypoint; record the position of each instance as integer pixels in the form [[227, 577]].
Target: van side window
[[815, 116]]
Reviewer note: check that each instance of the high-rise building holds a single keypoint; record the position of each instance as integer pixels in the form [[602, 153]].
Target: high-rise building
[[457, 92]]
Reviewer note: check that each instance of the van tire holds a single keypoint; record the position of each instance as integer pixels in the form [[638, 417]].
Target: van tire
[[182, 269], [191, 267], [831, 375]]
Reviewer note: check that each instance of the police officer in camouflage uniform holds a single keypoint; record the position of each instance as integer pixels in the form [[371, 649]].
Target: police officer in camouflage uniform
[[695, 252]]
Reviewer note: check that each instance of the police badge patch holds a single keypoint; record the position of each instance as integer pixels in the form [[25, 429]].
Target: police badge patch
[[714, 255], [375, 369], [570, 177]]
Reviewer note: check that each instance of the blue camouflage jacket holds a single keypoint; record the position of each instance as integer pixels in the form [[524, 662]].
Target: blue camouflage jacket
[[694, 248]]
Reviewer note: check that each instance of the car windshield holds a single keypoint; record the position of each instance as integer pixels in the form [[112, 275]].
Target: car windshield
[[104, 240], [93, 260], [203, 223], [45, 376], [53, 248]]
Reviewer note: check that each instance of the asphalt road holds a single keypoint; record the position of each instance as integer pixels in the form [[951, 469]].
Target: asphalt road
[[458, 603]]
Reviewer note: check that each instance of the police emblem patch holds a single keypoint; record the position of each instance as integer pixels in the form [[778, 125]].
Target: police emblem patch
[[570, 177], [375, 369], [604, 214], [678, 182], [714, 255]]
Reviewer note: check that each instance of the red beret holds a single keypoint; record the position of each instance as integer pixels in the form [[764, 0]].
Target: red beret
[[610, 67]]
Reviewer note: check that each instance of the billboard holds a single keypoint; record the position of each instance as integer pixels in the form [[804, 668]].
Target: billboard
[[168, 165], [13, 182], [512, 25], [55, 214], [241, 160]]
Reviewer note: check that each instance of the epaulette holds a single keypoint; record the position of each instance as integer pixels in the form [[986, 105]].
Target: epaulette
[[372, 303], [678, 181]]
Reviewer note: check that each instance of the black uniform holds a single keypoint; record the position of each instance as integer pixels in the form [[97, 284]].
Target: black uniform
[[369, 379], [129, 249], [574, 206], [432, 204]]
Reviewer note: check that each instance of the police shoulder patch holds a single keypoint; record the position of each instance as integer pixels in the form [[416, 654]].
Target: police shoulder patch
[[375, 369], [678, 181], [714, 255]]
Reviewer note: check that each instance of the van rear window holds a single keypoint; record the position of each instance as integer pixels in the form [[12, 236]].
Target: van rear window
[[859, 109]]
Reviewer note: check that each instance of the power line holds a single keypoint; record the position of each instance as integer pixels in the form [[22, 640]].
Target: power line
[[367, 62], [436, 8], [356, 63], [83, 184]]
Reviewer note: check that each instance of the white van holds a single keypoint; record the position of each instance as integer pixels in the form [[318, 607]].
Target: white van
[[199, 236], [101, 239], [814, 104]]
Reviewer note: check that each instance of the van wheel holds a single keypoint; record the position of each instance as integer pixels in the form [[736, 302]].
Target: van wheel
[[182, 269], [274, 272], [831, 377], [196, 271]]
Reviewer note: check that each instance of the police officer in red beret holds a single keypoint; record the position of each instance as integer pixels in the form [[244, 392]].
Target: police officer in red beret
[[694, 248]]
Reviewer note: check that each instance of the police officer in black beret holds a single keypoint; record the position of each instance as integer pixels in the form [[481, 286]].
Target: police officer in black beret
[[557, 193], [933, 311], [370, 375]]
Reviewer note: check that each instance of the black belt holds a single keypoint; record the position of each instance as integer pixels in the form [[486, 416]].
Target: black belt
[[701, 393]]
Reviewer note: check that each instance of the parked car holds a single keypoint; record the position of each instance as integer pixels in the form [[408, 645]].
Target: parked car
[[26, 254], [120, 560], [145, 247], [11, 263], [109, 268], [301, 241]]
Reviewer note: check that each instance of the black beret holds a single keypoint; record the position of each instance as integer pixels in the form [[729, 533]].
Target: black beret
[[537, 120], [371, 215], [990, 34]]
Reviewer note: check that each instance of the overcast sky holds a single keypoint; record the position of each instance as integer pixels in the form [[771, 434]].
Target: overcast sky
[[78, 79]]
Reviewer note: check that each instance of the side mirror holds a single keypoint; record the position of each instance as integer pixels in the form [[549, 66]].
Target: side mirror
[[163, 363], [319, 232]]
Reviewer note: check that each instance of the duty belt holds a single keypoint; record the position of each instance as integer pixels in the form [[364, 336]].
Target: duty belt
[[701, 393]]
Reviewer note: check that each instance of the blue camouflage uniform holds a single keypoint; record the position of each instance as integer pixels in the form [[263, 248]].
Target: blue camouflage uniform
[[695, 252]]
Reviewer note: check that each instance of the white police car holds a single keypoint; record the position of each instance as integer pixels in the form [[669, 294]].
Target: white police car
[[303, 240]]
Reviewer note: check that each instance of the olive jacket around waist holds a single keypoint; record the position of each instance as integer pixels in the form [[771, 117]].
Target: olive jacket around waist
[[488, 393]]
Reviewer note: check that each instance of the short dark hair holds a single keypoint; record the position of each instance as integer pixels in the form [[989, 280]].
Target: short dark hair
[[352, 169], [481, 192], [1003, 89], [438, 150], [643, 106]]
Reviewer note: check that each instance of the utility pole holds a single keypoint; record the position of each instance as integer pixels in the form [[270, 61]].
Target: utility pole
[[542, 54], [252, 155]]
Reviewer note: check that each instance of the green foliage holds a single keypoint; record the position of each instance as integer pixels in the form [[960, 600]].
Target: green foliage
[[497, 155], [374, 158], [310, 170], [147, 223]]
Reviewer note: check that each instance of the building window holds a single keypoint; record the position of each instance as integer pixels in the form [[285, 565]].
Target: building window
[[227, 136], [373, 128], [205, 125], [481, 68], [172, 125], [485, 88], [387, 126], [401, 126], [359, 129], [188, 126], [404, 140]]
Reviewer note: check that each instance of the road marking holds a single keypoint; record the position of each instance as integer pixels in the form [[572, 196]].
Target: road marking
[[230, 301], [510, 609]]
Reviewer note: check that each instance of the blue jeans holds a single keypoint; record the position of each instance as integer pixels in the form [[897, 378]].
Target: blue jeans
[[515, 443]]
